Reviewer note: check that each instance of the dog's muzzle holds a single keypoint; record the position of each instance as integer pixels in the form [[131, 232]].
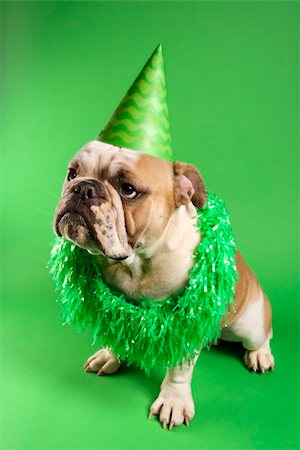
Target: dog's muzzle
[[82, 195]]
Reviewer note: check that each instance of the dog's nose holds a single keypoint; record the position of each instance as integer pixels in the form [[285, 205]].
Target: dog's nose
[[88, 189]]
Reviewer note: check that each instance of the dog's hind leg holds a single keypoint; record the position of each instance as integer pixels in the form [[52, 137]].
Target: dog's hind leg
[[254, 329], [261, 359]]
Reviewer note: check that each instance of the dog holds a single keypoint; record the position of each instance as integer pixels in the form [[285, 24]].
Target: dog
[[136, 213]]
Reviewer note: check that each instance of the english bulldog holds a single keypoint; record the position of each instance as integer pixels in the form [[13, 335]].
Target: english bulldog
[[136, 214]]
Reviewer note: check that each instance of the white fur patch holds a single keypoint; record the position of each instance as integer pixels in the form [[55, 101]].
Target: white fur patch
[[100, 156], [175, 404], [249, 327]]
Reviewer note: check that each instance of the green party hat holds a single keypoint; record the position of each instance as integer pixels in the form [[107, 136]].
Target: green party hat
[[141, 121]]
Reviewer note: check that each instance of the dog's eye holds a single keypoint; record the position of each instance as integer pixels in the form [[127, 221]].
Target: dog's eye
[[128, 190], [72, 174]]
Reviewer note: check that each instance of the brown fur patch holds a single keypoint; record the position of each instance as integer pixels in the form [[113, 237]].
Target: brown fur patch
[[247, 289], [149, 214], [184, 174]]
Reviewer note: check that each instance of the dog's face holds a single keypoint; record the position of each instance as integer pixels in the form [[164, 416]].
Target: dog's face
[[115, 200]]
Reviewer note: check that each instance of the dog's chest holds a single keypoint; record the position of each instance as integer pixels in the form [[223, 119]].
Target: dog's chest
[[157, 278], [161, 270]]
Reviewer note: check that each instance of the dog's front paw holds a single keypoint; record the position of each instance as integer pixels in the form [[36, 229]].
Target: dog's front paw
[[174, 405], [104, 362]]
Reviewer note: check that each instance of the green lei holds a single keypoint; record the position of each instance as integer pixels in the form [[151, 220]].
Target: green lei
[[150, 333]]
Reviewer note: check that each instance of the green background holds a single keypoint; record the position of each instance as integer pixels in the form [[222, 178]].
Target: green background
[[232, 77]]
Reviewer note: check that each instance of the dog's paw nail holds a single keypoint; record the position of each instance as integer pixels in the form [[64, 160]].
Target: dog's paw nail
[[164, 424], [171, 425], [150, 414], [186, 421]]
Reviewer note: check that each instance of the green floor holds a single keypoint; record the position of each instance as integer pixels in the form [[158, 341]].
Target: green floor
[[51, 403], [232, 80]]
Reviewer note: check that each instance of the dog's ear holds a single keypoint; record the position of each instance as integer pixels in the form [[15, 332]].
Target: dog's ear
[[188, 185]]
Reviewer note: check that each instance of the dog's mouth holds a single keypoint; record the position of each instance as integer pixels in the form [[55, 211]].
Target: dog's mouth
[[76, 226], [69, 217]]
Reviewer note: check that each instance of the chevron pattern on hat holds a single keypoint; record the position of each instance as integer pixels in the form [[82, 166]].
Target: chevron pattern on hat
[[141, 121]]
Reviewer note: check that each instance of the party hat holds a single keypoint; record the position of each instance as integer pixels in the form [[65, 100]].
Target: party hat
[[141, 121]]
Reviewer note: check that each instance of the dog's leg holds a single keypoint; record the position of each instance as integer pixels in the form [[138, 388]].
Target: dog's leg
[[254, 329], [258, 355], [175, 404], [261, 359], [104, 362]]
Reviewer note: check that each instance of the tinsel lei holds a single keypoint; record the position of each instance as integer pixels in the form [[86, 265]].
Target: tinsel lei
[[150, 333]]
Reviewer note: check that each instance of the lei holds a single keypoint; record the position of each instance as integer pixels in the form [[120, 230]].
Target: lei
[[150, 333]]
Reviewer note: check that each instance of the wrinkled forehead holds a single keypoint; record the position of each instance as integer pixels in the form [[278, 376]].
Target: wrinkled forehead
[[97, 159]]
